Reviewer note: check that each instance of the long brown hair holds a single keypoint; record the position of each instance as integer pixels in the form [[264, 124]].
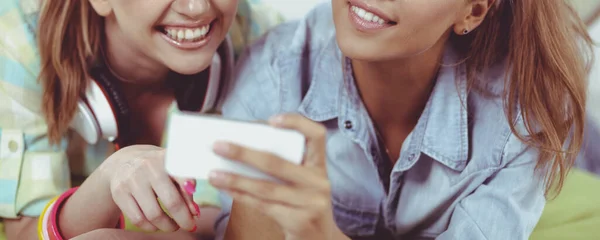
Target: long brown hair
[[549, 53], [69, 36]]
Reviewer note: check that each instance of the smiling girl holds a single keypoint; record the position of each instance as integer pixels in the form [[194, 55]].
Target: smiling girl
[[448, 119], [149, 59]]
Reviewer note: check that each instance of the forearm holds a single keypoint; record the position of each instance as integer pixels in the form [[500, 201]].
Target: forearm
[[248, 223], [118, 234], [23, 228], [91, 207]]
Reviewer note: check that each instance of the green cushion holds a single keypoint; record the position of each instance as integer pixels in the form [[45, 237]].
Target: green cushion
[[2, 236], [575, 213]]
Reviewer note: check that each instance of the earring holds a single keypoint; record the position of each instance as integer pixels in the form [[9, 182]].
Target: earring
[[465, 31]]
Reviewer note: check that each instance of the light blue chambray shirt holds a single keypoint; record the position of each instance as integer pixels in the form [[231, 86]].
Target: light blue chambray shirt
[[462, 174]]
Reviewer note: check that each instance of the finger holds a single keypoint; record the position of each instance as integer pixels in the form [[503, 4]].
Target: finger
[[267, 163], [261, 189], [187, 190], [131, 210], [315, 134], [172, 200], [147, 201]]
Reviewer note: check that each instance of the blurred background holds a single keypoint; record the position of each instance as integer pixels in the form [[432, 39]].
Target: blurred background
[[589, 11]]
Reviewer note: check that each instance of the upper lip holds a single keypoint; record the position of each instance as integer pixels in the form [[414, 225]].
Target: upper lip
[[194, 24], [372, 9]]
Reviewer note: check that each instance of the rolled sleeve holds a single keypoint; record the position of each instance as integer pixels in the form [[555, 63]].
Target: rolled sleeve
[[507, 206]]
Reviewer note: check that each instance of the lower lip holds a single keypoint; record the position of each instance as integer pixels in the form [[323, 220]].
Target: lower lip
[[189, 45], [364, 25]]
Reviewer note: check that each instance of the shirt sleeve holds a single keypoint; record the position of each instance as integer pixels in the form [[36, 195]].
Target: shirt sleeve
[[31, 170], [507, 206]]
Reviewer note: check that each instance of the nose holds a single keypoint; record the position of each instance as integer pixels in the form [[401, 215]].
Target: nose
[[192, 8]]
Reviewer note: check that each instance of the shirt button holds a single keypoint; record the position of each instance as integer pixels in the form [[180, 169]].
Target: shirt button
[[348, 124], [13, 146]]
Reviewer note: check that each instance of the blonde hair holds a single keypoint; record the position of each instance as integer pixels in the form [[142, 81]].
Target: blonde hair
[[549, 54], [69, 36]]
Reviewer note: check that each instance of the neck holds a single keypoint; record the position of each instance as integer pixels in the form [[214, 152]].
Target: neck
[[395, 92]]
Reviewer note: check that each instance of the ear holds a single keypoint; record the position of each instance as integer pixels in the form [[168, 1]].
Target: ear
[[102, 7], [474, 14]]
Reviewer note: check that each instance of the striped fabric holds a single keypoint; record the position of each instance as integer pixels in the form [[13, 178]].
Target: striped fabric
[[31, 170]]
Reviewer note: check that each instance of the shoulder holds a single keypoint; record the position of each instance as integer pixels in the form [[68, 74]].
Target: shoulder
[[273, 73]]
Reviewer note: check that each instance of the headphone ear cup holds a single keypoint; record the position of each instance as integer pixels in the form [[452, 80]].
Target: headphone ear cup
[[85, 124], [108, 105]]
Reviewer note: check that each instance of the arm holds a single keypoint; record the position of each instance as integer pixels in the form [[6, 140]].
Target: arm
[[246, 223], [507, 206]]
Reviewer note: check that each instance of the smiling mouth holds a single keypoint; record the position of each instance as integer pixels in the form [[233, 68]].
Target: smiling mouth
[[369, 16], [186, 34]]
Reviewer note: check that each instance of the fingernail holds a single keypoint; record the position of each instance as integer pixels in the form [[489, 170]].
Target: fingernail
[[278, 119], [217, 177], [189, 187], [194, 229], [222, 148], [197, 208]]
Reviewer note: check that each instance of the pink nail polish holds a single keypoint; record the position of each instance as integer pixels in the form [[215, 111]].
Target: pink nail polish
[[197, 208], [194, 229], [189, 187]]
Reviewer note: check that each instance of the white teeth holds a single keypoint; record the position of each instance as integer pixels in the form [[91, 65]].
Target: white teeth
[[361, 13], [367, 16], [187, 34], [197, 33]]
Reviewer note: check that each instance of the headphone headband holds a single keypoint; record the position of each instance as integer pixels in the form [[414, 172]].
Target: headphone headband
[[104, 114]]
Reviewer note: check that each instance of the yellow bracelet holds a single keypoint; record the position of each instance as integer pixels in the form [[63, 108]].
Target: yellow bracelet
[[41, 218]]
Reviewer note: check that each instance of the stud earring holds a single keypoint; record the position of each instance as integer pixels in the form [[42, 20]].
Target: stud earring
[[465, 31]]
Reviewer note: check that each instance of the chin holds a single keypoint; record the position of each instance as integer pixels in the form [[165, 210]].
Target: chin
[[190, 67], [360, 51], [375, 51]]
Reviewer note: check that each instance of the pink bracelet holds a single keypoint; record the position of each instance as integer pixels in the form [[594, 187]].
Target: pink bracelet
[[52, 229]]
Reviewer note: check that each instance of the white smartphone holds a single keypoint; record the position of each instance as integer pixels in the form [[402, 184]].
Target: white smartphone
[[190, 138]]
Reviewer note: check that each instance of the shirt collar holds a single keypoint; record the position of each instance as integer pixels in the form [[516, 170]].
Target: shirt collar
[[446, 132], [321, 102], [442, 130]]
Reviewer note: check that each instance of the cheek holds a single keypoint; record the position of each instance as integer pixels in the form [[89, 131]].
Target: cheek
[[136, 18], [226, 7]]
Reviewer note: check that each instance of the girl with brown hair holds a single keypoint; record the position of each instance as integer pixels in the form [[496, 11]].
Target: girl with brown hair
[[447, 119], [142, 60]]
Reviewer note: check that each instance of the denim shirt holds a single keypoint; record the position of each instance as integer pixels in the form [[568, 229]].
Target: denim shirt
[[461, 174]]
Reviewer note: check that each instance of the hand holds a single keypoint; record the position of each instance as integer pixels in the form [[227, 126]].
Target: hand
[[137, 178], [302, 205]]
